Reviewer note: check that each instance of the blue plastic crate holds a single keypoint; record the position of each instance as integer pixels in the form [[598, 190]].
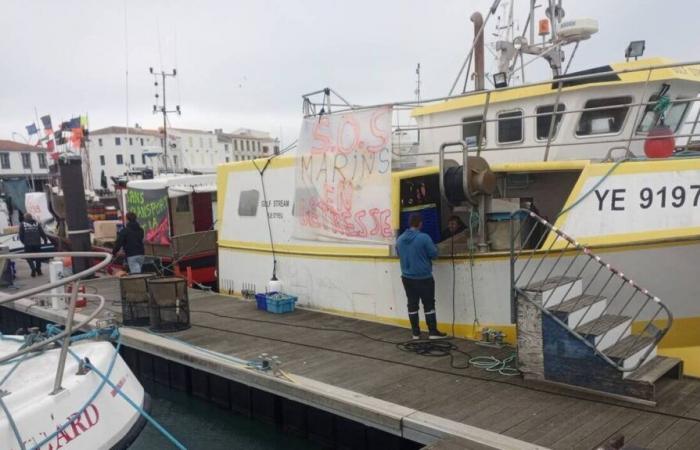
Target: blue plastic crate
[[282, 303], [261, 301]]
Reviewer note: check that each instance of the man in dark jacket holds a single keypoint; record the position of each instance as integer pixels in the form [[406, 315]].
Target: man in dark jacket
[[131, 239], [416, 251], [32, 234]]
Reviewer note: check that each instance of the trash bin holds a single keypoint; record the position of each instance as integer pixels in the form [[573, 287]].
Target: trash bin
[[135, 299], [169, 304]]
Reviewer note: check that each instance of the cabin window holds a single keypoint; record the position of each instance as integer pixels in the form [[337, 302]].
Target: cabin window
[[471, 130], [544, 121], [510, 127], [248, 203], [183, 204], [674, 116], [606, 115]]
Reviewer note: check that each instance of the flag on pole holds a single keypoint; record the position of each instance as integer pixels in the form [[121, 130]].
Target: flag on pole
[[76, 138], [46, 121], [50, 146], [31, 129], [74, 123], [84, 122]]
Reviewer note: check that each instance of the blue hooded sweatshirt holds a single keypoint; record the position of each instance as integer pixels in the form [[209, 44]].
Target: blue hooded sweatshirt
[[416, 250]]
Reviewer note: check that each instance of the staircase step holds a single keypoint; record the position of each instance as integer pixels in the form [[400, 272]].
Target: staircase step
[[628, 346], [657, 368], [553, 289], [605, 330], [580, 310], [630, 350], [549, 284]]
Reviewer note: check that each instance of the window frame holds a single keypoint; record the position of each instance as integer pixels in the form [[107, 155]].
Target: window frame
[[5, 157], [117, 141], [482, 131], [102, 160], [132, 158], [522, 125], [26, 160], [613, 133], [119, 159], [41, 157], [685, 102], [553, 115]]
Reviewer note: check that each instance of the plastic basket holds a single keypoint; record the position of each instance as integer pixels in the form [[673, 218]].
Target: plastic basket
[[261, 301], [281, 303]]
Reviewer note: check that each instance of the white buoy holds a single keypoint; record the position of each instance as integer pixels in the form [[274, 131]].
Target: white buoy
[[274, 285], [55, 274]]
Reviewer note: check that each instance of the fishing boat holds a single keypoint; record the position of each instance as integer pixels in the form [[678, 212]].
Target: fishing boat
[[177, 213], [575, 193]]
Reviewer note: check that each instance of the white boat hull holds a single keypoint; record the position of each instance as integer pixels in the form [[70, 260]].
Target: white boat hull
[[106, 422]]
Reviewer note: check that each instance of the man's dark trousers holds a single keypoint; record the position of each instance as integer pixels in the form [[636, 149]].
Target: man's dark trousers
[[34, 264], [422, 290]]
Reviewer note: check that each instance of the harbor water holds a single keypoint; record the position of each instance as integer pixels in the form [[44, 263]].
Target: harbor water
[[202, 425]]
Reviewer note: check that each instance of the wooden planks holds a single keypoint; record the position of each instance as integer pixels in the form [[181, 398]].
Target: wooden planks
[[332, 349]]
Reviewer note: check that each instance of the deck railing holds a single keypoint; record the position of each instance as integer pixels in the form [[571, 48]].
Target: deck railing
[[563, 259], [74, 280], [686, 139]]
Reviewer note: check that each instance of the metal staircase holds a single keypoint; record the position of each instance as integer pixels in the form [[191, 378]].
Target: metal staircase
[[581, 321]]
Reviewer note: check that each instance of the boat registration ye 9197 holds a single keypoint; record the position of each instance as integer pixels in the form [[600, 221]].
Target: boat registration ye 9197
[[634, 203]]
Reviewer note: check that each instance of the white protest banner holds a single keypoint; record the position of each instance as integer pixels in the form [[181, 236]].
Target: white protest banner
[[35, 203], [343, 177]]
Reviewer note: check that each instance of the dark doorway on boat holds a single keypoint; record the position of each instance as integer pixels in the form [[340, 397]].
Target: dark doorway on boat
[[202, 209]]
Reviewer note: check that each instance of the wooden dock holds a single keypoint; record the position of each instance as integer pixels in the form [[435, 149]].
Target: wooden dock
[[353, 369]]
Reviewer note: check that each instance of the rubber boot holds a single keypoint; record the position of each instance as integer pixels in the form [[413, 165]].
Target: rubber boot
[[415, 324], [433, 332]]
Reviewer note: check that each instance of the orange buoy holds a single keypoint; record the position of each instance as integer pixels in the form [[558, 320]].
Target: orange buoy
[[660, 142]]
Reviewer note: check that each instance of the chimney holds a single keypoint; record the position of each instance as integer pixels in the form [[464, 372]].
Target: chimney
[[478, 21]]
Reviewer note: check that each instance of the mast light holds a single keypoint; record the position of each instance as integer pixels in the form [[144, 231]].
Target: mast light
[[635, 49]]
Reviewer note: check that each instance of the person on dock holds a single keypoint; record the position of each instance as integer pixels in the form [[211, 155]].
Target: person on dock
[[131, 239], [32, 235], [416, 251]]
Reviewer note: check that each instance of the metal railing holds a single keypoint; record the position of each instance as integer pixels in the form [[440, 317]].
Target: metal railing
[[634, 113], [563, 260], [74, 279]]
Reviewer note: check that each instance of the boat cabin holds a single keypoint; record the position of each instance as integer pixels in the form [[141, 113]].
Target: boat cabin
[[178, 213]]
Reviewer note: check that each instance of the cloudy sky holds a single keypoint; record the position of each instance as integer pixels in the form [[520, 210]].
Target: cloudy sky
[[247, 63]]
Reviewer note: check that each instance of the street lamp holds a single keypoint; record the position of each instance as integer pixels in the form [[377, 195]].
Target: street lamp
[[31, 168]]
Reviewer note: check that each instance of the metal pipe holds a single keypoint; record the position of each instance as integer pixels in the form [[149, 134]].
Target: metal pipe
[[66, 340], [63, 281]]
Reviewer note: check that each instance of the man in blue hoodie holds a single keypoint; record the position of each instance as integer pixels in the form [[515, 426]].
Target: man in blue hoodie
[[416, 251]]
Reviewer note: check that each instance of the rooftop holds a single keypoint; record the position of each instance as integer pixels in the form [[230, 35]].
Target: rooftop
[[123, 130], [12, 146]]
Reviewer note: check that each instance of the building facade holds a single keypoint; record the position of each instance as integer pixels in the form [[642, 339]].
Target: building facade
[[19, 160], [115, 151]]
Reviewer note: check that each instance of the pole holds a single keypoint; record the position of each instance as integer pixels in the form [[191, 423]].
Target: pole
[[165, 128], [78, 231], [164, 109]]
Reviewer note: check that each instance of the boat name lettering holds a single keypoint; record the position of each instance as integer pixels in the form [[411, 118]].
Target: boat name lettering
[[78, 424], [666, 196], [274, 203]]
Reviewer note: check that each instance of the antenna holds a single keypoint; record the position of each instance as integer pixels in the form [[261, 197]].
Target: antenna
[[417, 92], [163, 109]]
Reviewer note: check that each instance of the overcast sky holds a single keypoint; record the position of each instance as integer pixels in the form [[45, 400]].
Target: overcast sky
[[247, 63]]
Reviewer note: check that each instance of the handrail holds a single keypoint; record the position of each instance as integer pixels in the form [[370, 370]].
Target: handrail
[[66, 333], [572, 249], [592, 76]]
